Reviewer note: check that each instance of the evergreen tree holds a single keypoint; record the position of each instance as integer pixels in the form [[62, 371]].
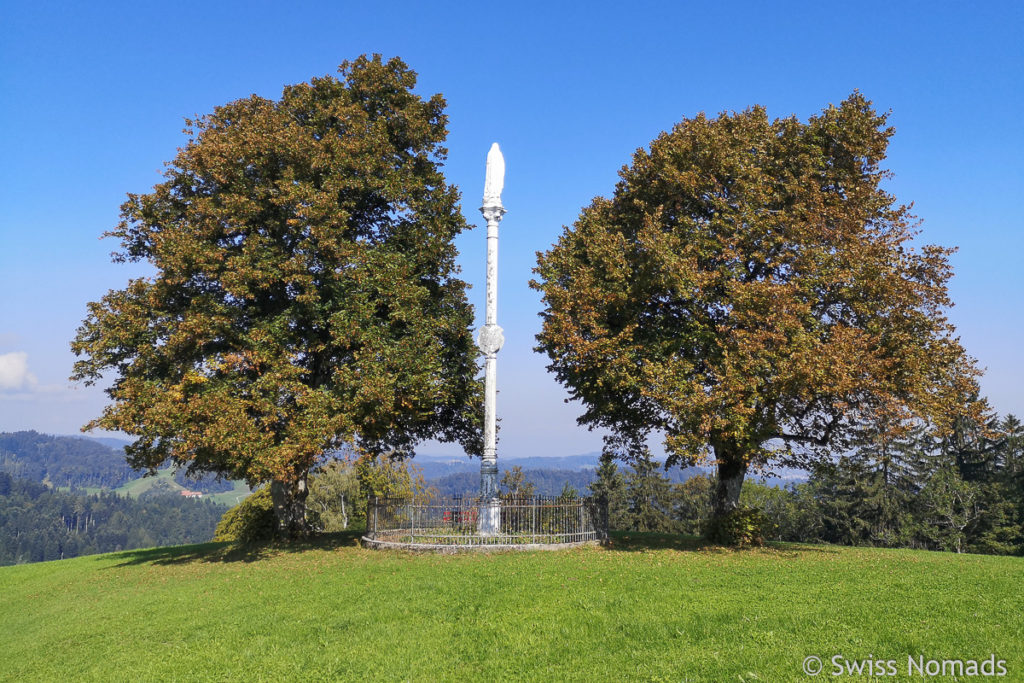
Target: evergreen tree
[[1010, 453], [870, 495], [691, 504], [971, 446], [970, 506], [1010, 456], [650, 496], [610, 489], [840, 490], [896, 467]]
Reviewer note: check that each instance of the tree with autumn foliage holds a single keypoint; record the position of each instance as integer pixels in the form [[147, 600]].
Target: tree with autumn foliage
[[753, 295], [305, 294]]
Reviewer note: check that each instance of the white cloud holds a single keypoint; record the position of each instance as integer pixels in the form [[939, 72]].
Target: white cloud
[[14, 374]]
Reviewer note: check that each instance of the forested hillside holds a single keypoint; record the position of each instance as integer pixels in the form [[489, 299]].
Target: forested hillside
[[63, 461], [546, 481], [38, 523]]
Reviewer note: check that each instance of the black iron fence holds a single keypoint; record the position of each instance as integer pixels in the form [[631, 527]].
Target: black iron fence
[[471, 521]]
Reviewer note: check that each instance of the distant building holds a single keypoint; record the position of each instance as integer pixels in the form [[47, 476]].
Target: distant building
[[192, 494]]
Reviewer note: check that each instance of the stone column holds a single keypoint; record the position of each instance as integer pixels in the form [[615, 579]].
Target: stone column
[[490, 340]]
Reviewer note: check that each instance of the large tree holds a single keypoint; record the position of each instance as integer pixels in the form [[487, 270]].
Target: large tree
[[753, 294], [305, 293]]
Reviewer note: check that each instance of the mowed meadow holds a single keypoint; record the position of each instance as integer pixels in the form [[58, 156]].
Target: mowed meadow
[[648, 607]]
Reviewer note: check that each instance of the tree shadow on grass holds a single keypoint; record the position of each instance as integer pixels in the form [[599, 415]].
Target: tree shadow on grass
[[233, 552], [639, 541], [642, 541], [622, 541]]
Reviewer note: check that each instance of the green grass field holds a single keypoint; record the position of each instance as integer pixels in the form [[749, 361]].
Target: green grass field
[[647, 608], [137, 487], [232, 497]]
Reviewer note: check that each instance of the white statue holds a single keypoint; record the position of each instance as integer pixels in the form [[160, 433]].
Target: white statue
[[494, 180]]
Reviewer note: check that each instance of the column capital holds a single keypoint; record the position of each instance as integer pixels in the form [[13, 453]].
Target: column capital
[[493, 211]]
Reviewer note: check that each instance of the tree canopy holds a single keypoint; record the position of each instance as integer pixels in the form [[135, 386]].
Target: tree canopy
[[306, 293], [753, 294]]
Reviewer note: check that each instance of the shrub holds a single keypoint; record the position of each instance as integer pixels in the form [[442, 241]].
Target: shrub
[[744, 526], [251, 521]]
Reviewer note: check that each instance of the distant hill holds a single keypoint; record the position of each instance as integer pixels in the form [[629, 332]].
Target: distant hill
[[63, 461], [564, 462], [110, 442], [548, 475], [437, 466], [559, 462], [548, 482], [38, 523], [63, 496], [451, 476], [98, 463], [81, 462]]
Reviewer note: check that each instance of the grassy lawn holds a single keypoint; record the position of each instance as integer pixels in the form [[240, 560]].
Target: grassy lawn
[[648, 608]]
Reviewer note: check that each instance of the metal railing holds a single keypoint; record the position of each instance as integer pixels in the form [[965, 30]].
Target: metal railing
[[455, 521]]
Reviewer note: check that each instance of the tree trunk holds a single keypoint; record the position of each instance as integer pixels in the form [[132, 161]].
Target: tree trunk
[[732, 468], [290, 507]]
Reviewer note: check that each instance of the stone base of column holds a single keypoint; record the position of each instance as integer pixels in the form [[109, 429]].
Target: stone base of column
[[489, 522]]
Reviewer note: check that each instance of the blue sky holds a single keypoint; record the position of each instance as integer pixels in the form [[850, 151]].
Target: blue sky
[[94, 96]]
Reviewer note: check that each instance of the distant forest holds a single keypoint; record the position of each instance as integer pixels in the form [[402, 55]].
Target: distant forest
[[546, 482], [72, 463], [63, 461], [49, 507], [38, 523]]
